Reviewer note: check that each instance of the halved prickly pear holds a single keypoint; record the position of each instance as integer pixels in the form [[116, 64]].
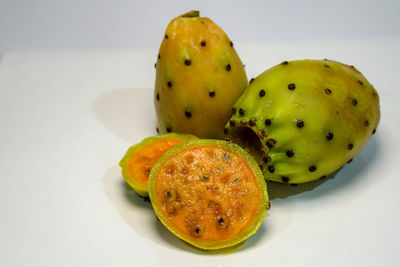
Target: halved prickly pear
[[199, 76], [140, 158], [209, 193], [304, 119]]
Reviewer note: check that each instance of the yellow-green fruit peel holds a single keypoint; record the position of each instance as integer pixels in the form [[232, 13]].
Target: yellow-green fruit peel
[[304, 119]]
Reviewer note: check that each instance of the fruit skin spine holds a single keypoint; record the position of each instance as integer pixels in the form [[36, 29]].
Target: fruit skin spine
[[199, 76], [264, 199], [126, 175], [324, 109]]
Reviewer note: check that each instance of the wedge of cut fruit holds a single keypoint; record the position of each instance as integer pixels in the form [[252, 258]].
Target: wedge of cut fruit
[[140, 158], [209, 193]]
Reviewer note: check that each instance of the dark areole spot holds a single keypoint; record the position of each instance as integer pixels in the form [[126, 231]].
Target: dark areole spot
[[158, 56], [290, 153], [373, 131], [312, 168], [251, 80], [271, 142], [232, 123], [188, 62], [329, 136], [285, 179], [197, 230], [267, 159], [225, 130], [354, 102], [271, 169], [205, 177], [291, 86], [157, 130], [233, 110], [328, 91], [221, 221], [366, 123], [158, 97], [169, 129], [360, 82], [285, 62], [268, 122], [252, 122], [203, 43], [188, 113], [231, 44], [211, 93], [228, 67], [155, 65], [169, 84], [350, 146], [166, 36], [350, 160], [261, 93], [299, 124], [241, 111]]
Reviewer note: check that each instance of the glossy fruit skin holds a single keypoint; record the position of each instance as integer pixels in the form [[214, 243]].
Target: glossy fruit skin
[[309, 117], [130, 177], [199, 76], [264, 201]]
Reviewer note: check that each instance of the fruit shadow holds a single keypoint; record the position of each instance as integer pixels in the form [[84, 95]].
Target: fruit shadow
[[351, 173], [127, 112], [138, 213]]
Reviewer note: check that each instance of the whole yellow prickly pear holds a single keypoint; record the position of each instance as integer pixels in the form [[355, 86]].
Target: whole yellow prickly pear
[[199, 77]]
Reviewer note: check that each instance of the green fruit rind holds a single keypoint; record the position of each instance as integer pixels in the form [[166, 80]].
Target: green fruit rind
[[264, 201], [128, 177], [305, 119]]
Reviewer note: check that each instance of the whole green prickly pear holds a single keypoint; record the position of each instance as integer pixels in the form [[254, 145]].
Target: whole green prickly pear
[[304, 119], [199, 77]]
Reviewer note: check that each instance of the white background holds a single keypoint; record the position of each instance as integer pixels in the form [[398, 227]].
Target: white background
[[122, 24], [76, 85]]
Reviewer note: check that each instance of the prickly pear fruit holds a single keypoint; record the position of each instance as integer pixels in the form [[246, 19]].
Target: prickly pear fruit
[[209, 193], [199, 77], [140, 158], [304, 119]]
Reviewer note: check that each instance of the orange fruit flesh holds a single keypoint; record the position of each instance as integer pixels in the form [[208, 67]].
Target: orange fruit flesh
[[141, 162], [208, 193]]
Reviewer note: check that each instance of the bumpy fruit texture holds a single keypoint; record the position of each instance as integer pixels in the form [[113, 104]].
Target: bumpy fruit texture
[[140, 158], [199, 77], [209, 193], [303, 120]]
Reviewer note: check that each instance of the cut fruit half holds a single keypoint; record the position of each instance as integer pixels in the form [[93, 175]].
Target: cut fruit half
[[209, 193], [140, 158]]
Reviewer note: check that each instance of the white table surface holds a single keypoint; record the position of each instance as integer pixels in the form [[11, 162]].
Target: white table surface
[[66, 119]]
